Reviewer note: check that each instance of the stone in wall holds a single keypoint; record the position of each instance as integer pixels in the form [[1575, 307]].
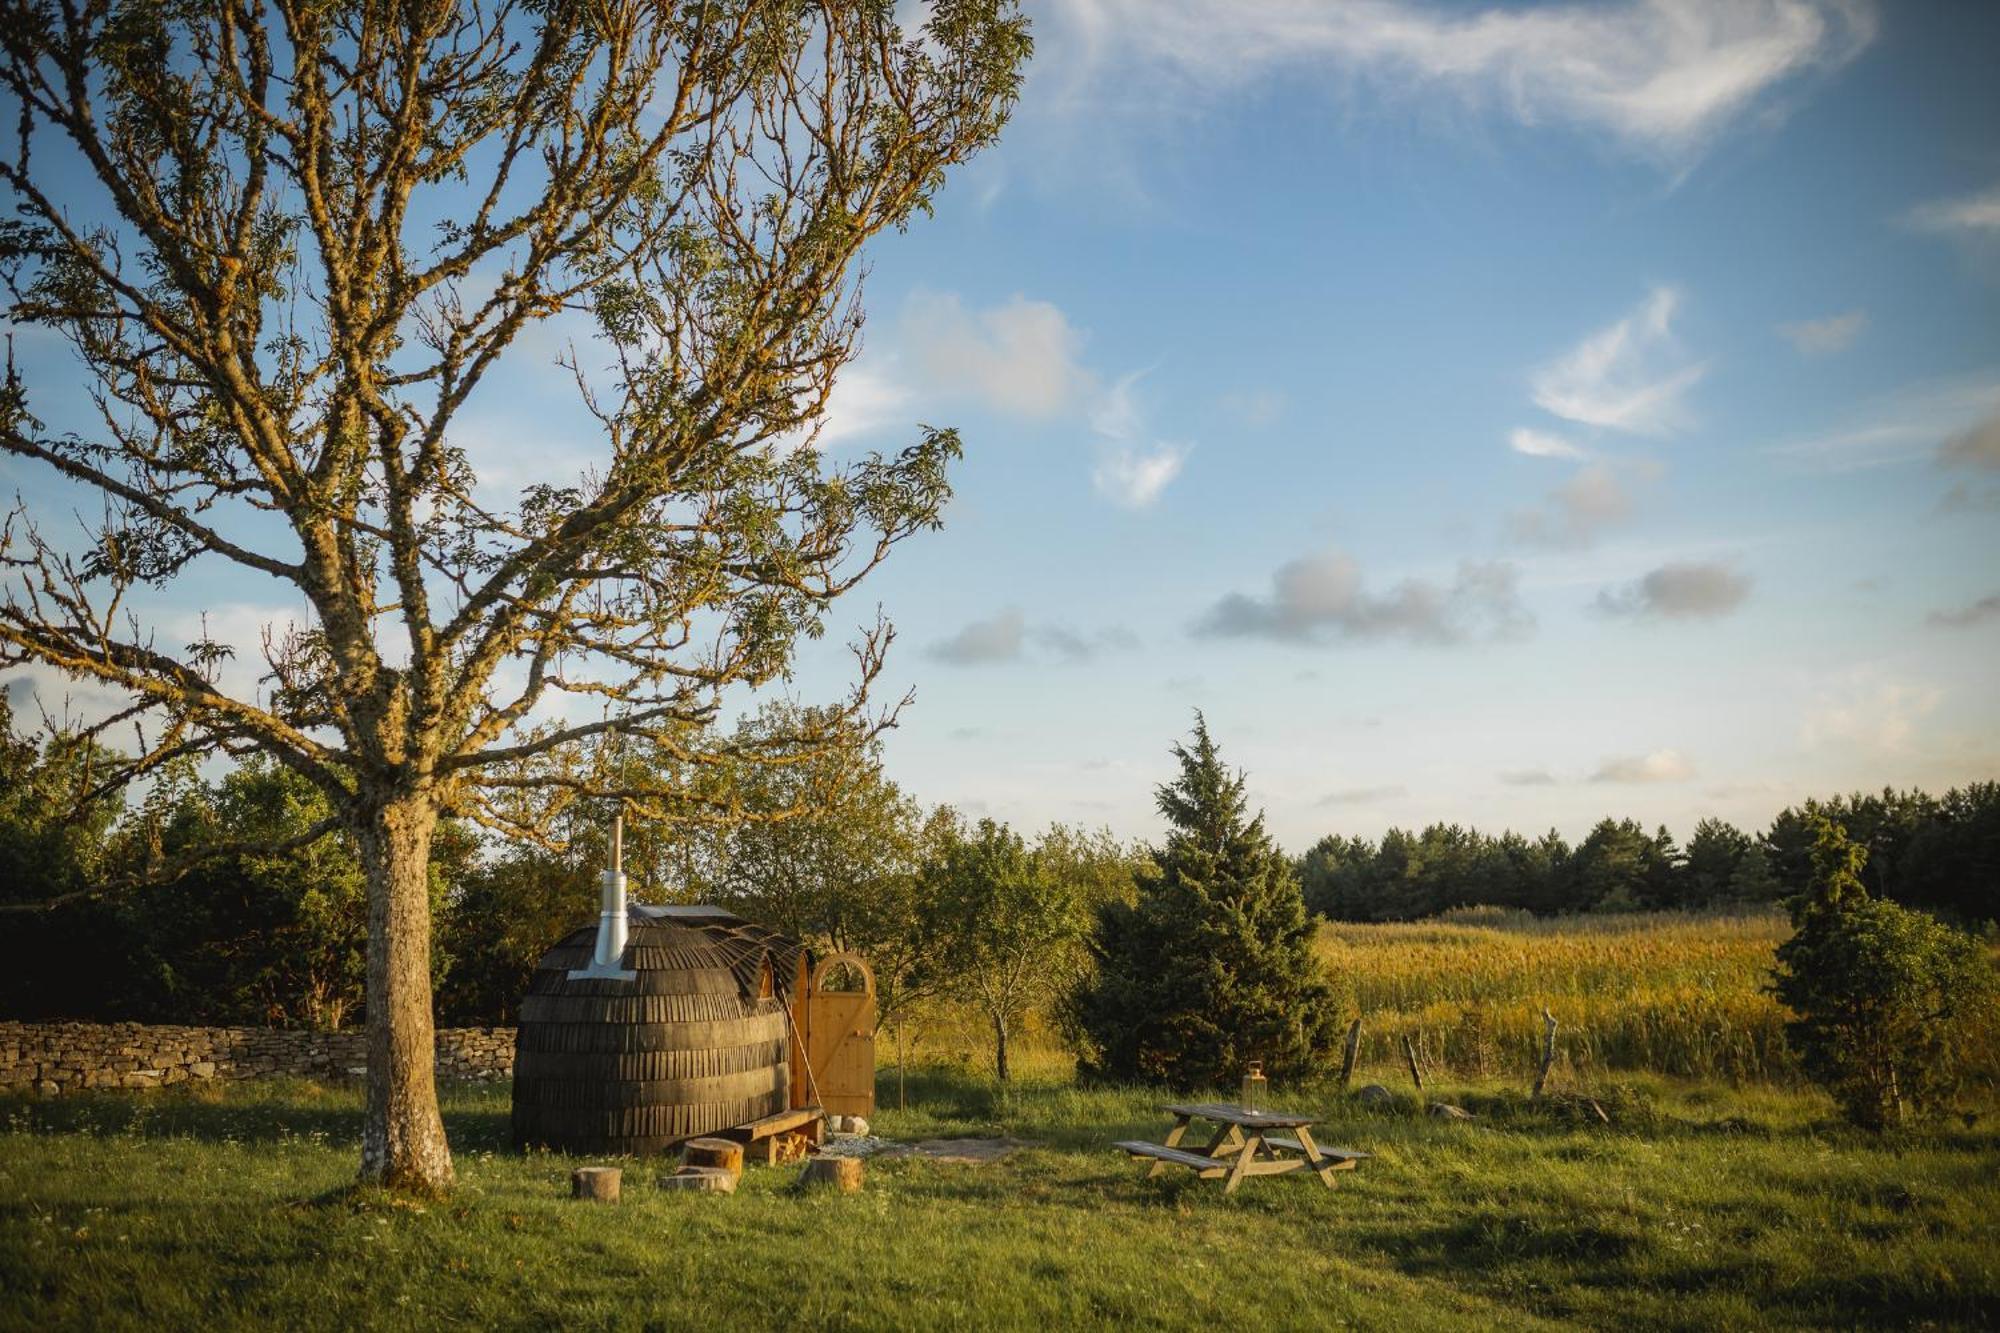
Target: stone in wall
[[61, 1057]]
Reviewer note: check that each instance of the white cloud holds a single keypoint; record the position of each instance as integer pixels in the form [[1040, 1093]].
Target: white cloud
[[1020, 357], [998, 638], [1679, 591], [1577, 512], [1134, 478], [1319, 598], [1865, 711], [1659, 766], [1663, 77], [1978, 212], [1542, 444], [867, 397], [1128, 472], [1630, 376], [69, 702], [1818, 337]]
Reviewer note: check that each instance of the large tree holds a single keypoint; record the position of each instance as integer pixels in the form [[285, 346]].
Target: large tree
[[291, 244]]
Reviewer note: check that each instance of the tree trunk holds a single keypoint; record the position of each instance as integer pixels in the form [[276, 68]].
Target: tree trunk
[[1548, 1054], [1000, 1046], [402, 1140]]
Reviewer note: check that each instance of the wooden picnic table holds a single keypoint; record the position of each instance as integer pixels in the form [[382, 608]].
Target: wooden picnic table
[[1243, 1145]]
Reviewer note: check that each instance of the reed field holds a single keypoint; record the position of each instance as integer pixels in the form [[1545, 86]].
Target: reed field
[[1665, 993], [1683, 995]]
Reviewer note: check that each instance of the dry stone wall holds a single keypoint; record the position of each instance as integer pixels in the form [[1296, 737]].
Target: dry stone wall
[[66, 1057]]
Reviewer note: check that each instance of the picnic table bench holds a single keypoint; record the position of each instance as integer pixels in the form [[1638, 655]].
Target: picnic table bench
[[1243, 1146]]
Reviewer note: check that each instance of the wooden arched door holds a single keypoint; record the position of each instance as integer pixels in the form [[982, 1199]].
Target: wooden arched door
[[840, 1036]]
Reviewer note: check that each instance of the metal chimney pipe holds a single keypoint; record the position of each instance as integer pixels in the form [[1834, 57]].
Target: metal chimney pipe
[[611, 920]]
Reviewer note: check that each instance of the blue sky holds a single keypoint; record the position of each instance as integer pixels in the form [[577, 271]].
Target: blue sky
[[1506, 416]]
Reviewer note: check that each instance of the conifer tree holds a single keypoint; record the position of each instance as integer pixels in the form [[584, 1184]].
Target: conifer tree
[[1212, 965]]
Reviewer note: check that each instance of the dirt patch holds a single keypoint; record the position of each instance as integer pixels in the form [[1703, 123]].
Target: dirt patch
[[966, 1152], [970, 1152]]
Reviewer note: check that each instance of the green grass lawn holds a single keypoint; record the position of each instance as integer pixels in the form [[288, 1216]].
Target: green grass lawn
[[1698, 1208]]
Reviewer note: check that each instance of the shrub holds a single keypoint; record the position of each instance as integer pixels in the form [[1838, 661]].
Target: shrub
[[1886, 997]]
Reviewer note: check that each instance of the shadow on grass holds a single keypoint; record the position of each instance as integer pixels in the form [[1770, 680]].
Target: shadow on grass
[[1498, 1241], [250, 1111]]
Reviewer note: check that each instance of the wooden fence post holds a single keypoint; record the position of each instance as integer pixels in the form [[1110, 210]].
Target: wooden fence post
[[1353, 1049], [1410, 1054], [1548, 1053]]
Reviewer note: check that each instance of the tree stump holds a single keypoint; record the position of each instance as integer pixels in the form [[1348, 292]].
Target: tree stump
[[599, 1184], [723, 1154], [700, 1180], [840, 1173]]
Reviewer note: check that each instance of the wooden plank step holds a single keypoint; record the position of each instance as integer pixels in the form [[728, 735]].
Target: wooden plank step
[[774, 1124], [1205, 1166]]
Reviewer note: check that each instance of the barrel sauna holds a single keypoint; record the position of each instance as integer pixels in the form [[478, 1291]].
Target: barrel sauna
[[695, 1041]]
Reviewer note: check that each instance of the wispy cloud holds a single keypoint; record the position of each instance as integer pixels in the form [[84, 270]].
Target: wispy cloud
[[1974, 613], [1659, 766], [1078, 646], [1320, 598], [1964, 499], [1543, 444], [1255, 407], [1134, 478], [1864, 710], [1006, 636], [1528, 777], [1946, 420], [1663, 79], [1131, 471], [1680, 591], [1360, 796], [1975, 447], [1818, 337], [1970, 213], [1630, 376]]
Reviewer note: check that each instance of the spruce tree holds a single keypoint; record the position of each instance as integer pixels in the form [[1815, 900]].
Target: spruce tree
[[1212, 965]]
